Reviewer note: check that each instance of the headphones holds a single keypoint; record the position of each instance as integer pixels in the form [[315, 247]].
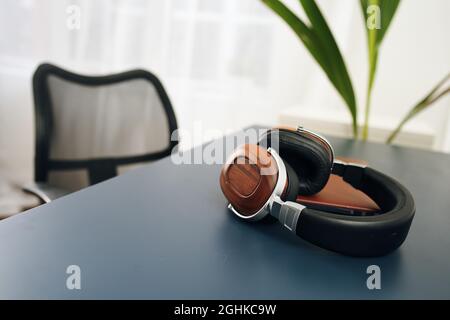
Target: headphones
[[264, 180]]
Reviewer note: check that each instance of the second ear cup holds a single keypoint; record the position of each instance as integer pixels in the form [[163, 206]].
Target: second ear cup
[[291, 191], [309, 158]]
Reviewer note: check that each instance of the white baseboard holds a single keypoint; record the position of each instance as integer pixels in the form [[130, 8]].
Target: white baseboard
[[339, 125]]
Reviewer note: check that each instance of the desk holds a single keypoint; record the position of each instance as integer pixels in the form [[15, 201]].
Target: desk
[[163, 232]]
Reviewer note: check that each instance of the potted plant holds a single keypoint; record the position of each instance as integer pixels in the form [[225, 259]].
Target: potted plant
[[318, 39]]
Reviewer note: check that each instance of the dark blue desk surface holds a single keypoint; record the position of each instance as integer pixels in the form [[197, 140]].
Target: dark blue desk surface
[[163, 231]]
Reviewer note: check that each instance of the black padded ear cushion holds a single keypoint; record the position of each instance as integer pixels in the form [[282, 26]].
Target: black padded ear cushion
[[308, 157], [291, 192]]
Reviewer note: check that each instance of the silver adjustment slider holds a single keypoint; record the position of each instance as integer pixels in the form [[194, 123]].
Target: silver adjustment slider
[[287, 213]]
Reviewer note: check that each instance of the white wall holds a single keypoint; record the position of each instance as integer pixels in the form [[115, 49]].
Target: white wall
[[226, 64], [16, 125]]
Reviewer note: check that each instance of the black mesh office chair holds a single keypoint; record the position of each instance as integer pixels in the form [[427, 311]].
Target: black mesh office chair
[[90, 128]]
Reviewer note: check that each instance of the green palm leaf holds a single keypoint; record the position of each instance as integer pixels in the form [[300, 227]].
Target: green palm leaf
[[375, 36], [321, 44], [434, 95]]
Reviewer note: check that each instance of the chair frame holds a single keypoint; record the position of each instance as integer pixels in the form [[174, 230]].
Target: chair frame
[[105, 167]]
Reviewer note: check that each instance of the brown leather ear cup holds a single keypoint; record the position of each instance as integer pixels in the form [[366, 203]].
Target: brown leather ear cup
[[243, 181], [310, 158]]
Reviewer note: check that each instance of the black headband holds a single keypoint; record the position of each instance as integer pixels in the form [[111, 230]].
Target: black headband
[[373, 235]]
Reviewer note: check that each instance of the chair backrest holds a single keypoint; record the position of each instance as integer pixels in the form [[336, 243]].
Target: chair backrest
[[88, 128]]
